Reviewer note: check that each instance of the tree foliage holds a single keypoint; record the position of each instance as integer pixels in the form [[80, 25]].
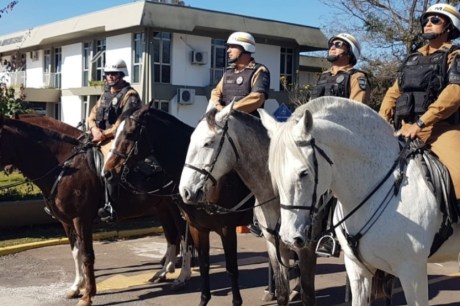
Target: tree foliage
[[10, 103], [388, 31]]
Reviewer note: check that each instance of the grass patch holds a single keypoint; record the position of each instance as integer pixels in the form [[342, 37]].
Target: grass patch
[[26, 191]]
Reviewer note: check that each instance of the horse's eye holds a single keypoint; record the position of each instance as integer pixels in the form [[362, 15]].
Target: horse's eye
[[303, 173]]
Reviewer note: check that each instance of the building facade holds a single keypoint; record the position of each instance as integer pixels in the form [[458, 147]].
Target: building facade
[[175, 55]]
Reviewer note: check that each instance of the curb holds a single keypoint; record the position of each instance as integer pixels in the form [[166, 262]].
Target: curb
[[96, 237]]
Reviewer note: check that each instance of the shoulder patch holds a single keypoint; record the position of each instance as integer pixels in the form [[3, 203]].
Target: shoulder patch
[[362, 82]]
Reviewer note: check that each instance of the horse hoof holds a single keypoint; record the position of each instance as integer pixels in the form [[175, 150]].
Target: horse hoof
[[72, 294], [84, 303], [157, 279], [177, 286], [294, 296], [268, 296]]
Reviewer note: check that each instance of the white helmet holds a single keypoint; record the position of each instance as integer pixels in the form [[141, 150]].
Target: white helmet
[[351, 41], [243, 39], [446, 10], [118, 65]]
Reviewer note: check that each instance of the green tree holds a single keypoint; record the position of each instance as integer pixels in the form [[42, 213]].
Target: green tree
[[10, 103]]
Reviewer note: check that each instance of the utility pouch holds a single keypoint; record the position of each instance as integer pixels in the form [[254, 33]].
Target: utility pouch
[[317, 91], [404, 108]]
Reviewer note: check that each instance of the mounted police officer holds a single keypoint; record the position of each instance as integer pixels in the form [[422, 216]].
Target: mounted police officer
[[244, 80], [424, 101], [118, 97], [342, 79]]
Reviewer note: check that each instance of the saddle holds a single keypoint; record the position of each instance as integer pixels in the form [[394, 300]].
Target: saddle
[[440, 183]]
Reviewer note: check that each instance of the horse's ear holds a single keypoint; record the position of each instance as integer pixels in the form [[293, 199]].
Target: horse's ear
[[268, 121], [223, 115], [308, 121]]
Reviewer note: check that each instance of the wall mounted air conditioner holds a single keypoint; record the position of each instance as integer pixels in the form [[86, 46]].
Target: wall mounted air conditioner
[[185, 96], [199, 58]]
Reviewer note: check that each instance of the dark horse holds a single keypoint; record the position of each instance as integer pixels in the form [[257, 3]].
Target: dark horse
[[61, 166], [148, 130]]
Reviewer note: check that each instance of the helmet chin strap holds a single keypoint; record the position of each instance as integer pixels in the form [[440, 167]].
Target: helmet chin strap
[[431, 36]]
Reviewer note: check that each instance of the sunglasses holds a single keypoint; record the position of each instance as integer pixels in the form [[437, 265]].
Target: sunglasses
[[433, 19], [111, 73], [337, 44]]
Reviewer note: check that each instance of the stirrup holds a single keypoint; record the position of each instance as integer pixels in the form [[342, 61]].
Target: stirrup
[[327, 246], [106, 213], [48, 211]]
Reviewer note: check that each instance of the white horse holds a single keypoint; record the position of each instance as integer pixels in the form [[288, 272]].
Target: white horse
[[233, 140], [340, 145]]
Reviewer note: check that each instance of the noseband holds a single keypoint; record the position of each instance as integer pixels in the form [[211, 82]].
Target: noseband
[[207, 173]]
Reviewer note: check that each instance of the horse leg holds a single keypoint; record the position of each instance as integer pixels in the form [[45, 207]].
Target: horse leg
[[280, 272], [360, 282], [85, 244], [201, 242], [414, 281], [186, 269], [307, 266], [79, 281], [173, 239], [229, 243]]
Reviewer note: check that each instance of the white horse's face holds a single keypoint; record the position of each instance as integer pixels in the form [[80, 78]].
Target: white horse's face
[[299, 179], [211, 156]]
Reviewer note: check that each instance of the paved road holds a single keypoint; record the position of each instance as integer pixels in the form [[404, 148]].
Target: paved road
[[41, 276]]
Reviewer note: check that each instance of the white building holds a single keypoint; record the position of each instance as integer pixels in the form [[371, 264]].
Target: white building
[[175, 56]]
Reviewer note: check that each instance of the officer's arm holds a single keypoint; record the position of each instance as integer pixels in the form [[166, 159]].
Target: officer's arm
[[259, 92], [388, 105], [359, 88], [216, 95], [448, 101], [91, 120]]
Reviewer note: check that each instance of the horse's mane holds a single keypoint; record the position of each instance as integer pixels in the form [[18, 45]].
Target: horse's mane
[[333, 109], [50, 123], [39, 133]]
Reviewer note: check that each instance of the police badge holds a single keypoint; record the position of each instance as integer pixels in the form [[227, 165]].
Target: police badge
[[239, 80], [340, 78], [115, 101]]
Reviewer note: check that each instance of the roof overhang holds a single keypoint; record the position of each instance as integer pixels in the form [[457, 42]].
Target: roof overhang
[[164, 17]]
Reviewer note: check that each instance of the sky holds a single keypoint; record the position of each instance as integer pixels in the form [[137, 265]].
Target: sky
[[31, 13]]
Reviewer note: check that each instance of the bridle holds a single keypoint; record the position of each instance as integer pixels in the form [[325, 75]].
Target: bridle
[[133, 152], [312, 144], [207, 173]]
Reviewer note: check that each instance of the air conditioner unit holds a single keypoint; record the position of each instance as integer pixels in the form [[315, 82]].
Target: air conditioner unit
[[199, 58], [34, 55], [185, 96]]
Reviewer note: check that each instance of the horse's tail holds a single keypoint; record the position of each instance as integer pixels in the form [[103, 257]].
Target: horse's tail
[[382, 286]]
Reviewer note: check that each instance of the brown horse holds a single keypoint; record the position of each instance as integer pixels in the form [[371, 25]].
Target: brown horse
[[62, 168], [148, 130]]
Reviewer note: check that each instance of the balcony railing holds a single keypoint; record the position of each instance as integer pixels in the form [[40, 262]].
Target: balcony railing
[[52, 80], [13, 78]]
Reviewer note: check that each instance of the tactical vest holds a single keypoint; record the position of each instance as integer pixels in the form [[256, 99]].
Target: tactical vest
[[333, 85], [421, 79], [237, 85], [110, 108]]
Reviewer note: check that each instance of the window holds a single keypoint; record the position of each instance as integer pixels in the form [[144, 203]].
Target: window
[[138, 51], [287, 66], [99, 59], [86, 62], [162, 57], [161, 105], [52, 63], [218, 59], [93, 61]]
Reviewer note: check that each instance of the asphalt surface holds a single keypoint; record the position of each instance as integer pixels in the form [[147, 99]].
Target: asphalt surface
[[41, 275]]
